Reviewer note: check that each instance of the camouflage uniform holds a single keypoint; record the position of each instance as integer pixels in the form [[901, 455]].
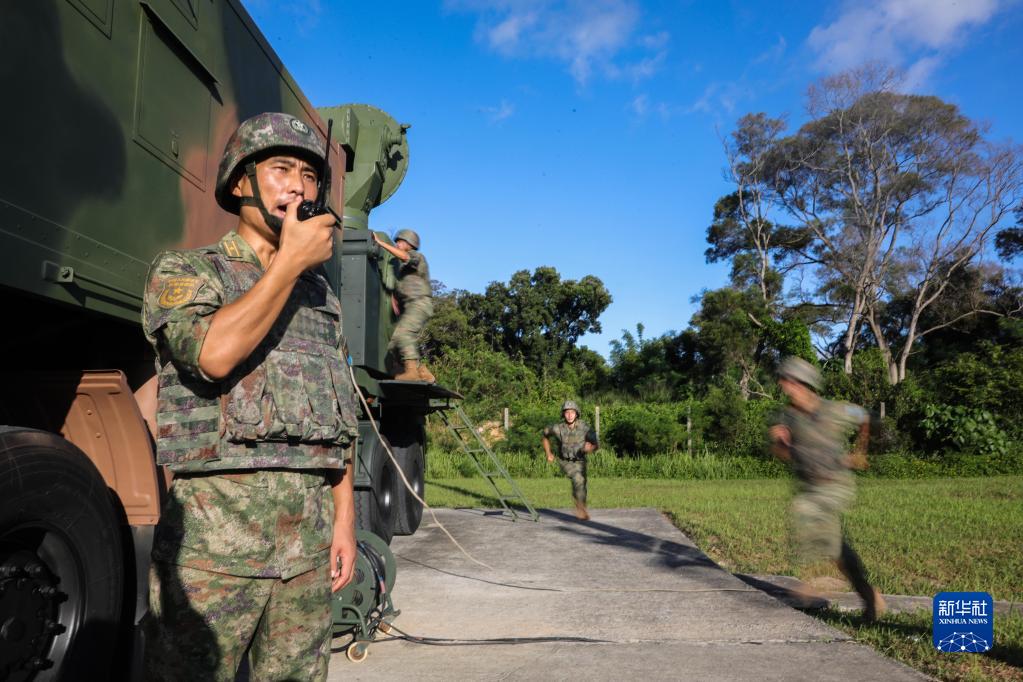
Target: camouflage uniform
[[240, 553], [571, 457], [415, 302], [819, 444]]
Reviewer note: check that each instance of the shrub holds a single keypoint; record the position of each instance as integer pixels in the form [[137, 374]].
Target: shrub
[[970, 430], [723, 413], [989, 379], [645, 429]]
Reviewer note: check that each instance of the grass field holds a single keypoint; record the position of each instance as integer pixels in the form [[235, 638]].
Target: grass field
[[917, 537]]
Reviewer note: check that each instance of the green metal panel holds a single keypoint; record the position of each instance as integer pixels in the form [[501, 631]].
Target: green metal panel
[[113, 141]]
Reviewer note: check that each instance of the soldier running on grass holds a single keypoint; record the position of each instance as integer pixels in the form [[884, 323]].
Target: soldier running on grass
[[811, 437]]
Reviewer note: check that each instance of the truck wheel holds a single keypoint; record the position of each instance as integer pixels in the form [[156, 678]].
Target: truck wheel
[[410, 510], [61, 564], [375, 507]]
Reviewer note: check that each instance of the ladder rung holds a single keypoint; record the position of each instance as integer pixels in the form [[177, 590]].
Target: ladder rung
[[459, 423]]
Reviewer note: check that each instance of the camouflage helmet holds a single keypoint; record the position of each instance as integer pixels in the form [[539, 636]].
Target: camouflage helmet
[[408, 235], [798, 369], [265, 131], [569, 405]]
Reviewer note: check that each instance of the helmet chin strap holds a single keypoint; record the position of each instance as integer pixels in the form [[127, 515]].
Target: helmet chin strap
[[273, 222]]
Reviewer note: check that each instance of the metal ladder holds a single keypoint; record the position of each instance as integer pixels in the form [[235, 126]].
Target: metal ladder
[[486, 461]]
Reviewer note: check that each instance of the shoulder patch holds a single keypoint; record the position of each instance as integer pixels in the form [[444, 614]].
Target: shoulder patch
[[178, 291]]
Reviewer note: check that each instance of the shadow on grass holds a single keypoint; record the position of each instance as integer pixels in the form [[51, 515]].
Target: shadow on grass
[[1010, 654]]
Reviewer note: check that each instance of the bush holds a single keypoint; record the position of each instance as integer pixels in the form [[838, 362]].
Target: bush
[[645, 429], [970, 430], [489, 380], [723, 413], [989, 379], [906, 465], [528, 420]]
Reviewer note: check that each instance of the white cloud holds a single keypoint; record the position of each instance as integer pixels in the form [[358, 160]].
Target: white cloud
[[656, 41], [918, 73], [587, 36], [637, 71], [640, 105], [914, 34], [718, 97], [773, 53], [500, 112]]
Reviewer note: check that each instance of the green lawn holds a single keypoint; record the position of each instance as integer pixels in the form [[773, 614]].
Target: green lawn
[[917, 536]]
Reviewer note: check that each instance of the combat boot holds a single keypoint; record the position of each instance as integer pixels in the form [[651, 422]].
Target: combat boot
[[851, 566], [410, 373], [426, 375], [580, 512], [874, 605]]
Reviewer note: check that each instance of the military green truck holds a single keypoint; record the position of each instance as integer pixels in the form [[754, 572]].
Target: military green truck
[[113, 125]]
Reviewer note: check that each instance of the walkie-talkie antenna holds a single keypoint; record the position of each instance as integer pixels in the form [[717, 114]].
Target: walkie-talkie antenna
[[309, 209]]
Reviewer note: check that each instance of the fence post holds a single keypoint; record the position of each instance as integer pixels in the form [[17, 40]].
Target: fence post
[[882, 409], [689, 429], [506, 419], [596, 420]]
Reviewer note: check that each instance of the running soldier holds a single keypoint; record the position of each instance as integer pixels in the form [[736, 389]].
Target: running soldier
[[811, 437], [576, 440]]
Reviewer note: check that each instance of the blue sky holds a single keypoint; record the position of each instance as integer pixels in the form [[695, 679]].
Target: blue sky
[[586, 134]]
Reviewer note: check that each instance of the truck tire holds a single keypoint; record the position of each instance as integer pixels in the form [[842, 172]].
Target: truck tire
[[375, 506], [61, 561], [410, 510]]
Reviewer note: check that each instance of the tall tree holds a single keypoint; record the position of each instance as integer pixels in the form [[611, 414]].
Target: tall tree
[[537, 316], [1010, 240], [647, 368], [899, 192], [742, 230]]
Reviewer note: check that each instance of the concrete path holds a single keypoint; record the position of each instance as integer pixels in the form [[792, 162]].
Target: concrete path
[[625, 594]]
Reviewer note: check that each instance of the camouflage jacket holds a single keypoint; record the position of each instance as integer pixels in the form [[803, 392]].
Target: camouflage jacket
[[413, 278], [820, 441], [291, 404], [571, 438]]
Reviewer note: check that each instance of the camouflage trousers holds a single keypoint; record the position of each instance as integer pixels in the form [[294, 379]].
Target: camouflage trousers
[[201, 624], [240, 563], [414, 316], [816, 517], [576, 472]]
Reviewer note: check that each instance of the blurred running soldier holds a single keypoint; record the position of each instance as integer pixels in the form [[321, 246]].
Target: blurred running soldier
[[811, 437], [576, 440], [413, 304]]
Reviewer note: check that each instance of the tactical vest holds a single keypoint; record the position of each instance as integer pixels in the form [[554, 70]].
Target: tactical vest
[[570, 441], [280, 407]]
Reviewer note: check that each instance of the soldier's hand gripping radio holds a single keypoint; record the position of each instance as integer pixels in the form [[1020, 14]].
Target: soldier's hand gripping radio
[[310, 209]]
